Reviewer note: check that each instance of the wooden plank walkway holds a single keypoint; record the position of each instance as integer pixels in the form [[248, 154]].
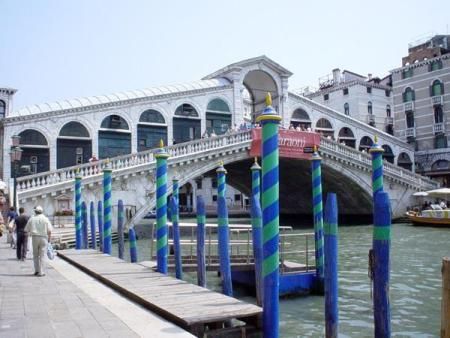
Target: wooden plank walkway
[[187, 305]]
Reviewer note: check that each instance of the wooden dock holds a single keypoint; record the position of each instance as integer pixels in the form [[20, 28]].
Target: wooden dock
[[198, 310]]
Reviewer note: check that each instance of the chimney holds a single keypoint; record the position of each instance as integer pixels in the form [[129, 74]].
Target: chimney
[[336, 76], [369, 76]]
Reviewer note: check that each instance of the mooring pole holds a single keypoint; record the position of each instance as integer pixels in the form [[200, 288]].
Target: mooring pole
[[176, 238], [78, 229], [270, 208], [133, 247], [318, 212], [381, 264], [445, 311], [107, 210], [256, 179], [120, 224], [331, 267], [161, 208], [100, 224], [377, 167], [257, 246], [84, 225], [201, 261], [92, 222], [223, 232]]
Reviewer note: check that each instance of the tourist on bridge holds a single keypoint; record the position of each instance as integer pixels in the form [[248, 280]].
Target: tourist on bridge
[[40, 229], [22, 237]]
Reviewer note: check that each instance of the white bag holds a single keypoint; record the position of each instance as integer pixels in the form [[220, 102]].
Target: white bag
[[50, 251]]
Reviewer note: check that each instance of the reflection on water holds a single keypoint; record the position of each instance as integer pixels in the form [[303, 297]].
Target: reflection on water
[[416, 257]]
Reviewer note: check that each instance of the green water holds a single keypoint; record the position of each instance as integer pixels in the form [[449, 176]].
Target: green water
[[416, 256]]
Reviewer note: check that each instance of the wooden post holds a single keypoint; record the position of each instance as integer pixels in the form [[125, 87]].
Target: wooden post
[[445, 311], [120, 224], [92, 221], [331, 267], [176, 238], [201, 261]]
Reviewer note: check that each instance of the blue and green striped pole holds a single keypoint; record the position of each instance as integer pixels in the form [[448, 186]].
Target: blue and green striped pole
[[223, 233], [84, 225], [133, 247], [257, 238], [381, 264], [92, 222], [100, 224], [256, 179], [201, 261], [318, 212], [175, 189], [331, 267], [270, 208], [120, 225], [377, 167], [161, 208], [107, 209], [176, 238], [78, 233]]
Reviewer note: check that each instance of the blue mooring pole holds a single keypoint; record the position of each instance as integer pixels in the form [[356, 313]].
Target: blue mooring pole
[[78, 220], [381, 264], [107, 208], [133, 247], [201, 261], [100, 224], [257, 246], [176, 238], [331, 267], [120, 225], [85, 225], [92, 221]]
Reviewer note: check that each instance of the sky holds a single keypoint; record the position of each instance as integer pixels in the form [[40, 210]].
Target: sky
[[53, 49]]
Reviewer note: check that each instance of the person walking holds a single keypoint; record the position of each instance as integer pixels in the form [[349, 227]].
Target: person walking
[[40, 229], [22, 236]]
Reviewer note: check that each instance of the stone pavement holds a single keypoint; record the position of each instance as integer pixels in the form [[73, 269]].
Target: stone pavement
[[68, 303]]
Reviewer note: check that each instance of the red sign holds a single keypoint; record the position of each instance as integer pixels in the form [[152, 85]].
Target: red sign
[[292, 143]]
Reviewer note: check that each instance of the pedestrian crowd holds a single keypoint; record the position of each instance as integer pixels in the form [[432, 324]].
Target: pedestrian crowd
[[20, 227]]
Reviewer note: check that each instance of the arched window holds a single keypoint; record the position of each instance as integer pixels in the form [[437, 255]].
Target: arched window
[[388, 110], [346, 108], [404, 161], [218, 117], [2, 108], [152, 116], [74, 129], [346, 137], [324, 127], [114, 122], [300, 118], [32, 137], [440, 165], [186, 110], [408, 95], [35, 152], [409, 119], [438, 114], [435, 65], [365, 144], [388, 154], [369, 107], [437, 88]]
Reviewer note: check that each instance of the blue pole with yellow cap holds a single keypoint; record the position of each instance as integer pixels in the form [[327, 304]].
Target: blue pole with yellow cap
[[78, 220], [107, 208], [270, 214]]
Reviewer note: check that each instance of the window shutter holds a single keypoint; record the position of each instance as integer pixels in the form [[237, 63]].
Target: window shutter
[[413, 95], [431, 90], [403, 97], [442, 88]]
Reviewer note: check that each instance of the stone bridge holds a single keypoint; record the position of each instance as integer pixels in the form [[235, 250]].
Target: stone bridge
[[345, 171]]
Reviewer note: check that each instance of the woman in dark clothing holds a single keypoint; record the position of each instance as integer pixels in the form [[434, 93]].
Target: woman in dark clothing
[[22, 237]]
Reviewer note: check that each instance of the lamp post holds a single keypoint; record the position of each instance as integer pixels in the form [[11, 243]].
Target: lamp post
[[16, 155]]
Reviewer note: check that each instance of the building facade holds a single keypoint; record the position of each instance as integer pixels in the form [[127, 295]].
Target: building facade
[[422, 105]]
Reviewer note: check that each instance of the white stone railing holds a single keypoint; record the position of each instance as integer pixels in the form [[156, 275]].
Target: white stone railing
[[241, 139], [127, 161]]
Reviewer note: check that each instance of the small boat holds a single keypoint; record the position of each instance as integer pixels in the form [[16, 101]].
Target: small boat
[[434, 218]]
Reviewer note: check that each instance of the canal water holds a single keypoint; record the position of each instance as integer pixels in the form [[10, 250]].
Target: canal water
[[416, 256]]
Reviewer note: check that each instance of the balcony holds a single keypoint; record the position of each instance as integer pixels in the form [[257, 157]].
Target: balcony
[[371, 119], [410, 132], [408, 106], [439, 128], [388, 120], [437, 100]]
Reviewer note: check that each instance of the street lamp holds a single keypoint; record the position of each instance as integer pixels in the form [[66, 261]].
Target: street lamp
[[15, 154]]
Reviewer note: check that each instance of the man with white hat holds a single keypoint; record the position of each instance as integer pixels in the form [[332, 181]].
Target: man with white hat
[[40, 229]]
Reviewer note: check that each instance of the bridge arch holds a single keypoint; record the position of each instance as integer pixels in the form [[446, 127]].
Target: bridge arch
[[35, 152], [347, 137], [300, 118], [151, 128], [218, 116], [259, 82], [186, 123], [73, 145], [404, 161], [114, 137], [388, 154], [365, 143], [324, 127]]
